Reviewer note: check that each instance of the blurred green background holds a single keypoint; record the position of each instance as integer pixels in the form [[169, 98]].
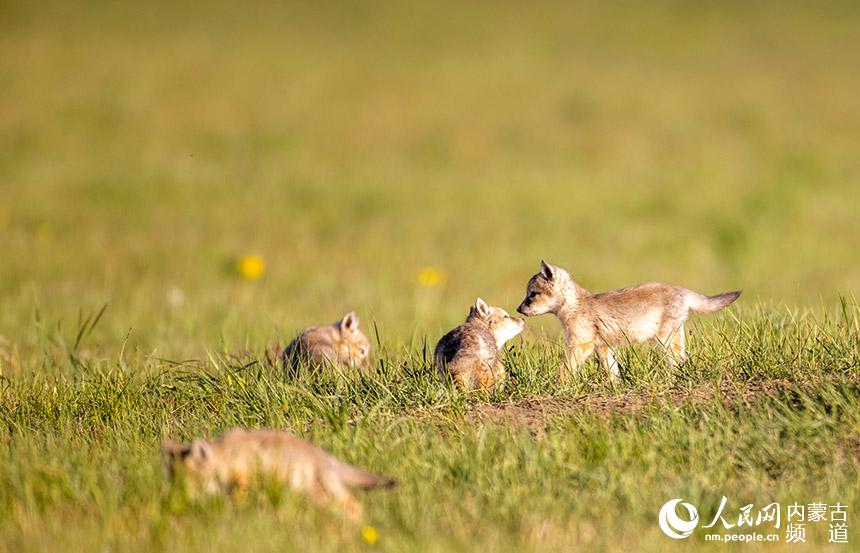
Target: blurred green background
[[146, 147]]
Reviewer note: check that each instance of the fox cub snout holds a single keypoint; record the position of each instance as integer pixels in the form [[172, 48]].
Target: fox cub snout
[[233, 460], [606, 321], [340, 343], [471, 353]]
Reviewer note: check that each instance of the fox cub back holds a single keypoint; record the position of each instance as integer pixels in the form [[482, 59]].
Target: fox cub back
[[340, 343], [235, 458], [471, 353]]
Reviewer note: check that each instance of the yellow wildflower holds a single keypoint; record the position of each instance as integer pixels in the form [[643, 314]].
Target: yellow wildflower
[[431, 277], [251, 267], [369, 534]]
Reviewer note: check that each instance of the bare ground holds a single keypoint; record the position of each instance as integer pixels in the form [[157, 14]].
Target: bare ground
[[534, 412]]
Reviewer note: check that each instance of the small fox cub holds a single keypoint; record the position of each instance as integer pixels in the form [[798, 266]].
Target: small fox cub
[[340, 343], [609, 320], [471, 352], [234, 459]]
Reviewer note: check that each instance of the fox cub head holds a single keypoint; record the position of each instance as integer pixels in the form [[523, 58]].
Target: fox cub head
[[502, 326], [352, 346], [546, 291], [194, 463]]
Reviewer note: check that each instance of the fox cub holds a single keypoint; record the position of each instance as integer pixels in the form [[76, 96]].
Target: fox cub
[[234, 459], [606, 321], [471, 353], [340, 343]]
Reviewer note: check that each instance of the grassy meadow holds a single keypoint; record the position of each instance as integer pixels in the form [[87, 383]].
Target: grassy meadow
[[400, 159]]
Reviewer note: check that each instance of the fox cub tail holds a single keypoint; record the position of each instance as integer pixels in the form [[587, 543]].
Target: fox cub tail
[[709, 304], [360, 478]]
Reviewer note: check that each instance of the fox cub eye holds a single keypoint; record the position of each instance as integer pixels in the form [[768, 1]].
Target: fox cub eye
[[533, 295]]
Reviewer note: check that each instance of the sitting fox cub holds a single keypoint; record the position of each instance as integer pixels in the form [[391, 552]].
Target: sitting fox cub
[[471, 352], [235, 458], [609, 320], [340, 343]]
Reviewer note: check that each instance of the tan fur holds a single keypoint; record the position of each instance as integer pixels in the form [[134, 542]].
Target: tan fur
[[471, 353], [341, 343], [607, 321], [235, 459]]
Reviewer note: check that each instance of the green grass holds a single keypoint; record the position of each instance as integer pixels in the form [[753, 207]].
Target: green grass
[[768, 409], [143, 148]]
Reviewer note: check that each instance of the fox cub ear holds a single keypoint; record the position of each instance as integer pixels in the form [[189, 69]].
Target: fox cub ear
[[174, 449], [200, 450], [482, 308], [547, 270], [349, 322]]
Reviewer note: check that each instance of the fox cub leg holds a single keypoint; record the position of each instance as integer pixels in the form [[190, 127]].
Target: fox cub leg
[[335, 489], [674, 345], [576, 356], [608, 361]]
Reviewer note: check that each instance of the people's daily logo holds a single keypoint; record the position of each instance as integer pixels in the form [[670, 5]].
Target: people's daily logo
[[773, 522], [674, 526]]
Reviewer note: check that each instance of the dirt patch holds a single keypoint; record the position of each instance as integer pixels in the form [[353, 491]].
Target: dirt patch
[[533, 412], [851, 448]]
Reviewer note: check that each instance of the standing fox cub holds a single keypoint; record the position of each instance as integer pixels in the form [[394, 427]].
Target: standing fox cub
[[471, 353], [239, 455], [340, 343], [609, 320]]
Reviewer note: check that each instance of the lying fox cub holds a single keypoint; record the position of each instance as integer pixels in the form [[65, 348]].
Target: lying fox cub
[[235, 458], [471, 352], [340, 343], [606, 321]]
